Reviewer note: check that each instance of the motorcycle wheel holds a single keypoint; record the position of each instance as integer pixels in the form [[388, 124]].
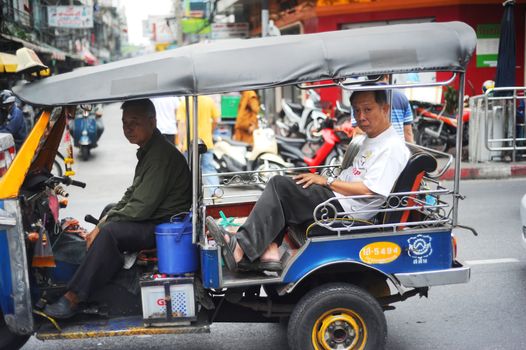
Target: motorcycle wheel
[[426, 140], [266, 165], [84, 152], [9, 340]]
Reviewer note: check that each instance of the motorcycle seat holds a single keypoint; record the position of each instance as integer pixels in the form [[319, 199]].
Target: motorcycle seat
[[291, 140], [237, 143], [284, 148], [296, 107]]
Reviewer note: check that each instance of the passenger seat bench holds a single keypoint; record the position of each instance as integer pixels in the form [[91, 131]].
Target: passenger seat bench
[[410, 180]]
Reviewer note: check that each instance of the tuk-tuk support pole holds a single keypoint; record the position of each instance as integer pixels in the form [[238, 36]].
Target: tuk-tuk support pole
[[188, 135], [195, 173], [458, 149]]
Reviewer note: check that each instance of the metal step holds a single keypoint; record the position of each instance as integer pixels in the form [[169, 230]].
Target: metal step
[[115, 327]]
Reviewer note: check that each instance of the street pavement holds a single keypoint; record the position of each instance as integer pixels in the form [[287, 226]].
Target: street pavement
[[486, 170], [485, 313]]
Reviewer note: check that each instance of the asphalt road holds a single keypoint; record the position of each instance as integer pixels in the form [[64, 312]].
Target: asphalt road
[[485, 313]]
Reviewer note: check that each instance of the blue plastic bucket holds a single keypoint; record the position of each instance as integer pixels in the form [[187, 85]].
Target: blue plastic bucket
[[175, 251]]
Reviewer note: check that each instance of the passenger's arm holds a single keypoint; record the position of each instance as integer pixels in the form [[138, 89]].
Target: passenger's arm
[[343, 187]]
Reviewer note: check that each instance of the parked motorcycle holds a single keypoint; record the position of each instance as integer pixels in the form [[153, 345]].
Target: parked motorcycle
[[301, 119], [436, 129], [86, 129], [236, 156], [330, 152], [342, 113]]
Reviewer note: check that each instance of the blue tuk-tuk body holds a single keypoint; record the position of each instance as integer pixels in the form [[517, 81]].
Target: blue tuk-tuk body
[[339, 276]]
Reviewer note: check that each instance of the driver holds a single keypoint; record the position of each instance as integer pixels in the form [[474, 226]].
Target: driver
[[285, 200], [161, 188]]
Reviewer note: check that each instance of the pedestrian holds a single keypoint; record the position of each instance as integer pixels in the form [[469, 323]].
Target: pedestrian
[[166, 109], [208, 116], [12, 118], [247, 117]]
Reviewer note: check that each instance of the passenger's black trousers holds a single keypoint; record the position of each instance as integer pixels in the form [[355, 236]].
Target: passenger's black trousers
[[282, 203], [104, 258]]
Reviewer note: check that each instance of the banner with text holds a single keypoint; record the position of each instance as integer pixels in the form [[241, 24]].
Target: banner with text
[[70, 16]]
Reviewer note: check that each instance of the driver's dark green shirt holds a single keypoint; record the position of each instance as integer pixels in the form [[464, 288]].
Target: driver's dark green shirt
[[161, 185]]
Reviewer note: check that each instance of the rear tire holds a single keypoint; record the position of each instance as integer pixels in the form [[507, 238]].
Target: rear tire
[[337, 315], [84, 152], [9, 340]]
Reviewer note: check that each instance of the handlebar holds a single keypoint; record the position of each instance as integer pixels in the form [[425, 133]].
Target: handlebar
[[91, 219], [65, 180]]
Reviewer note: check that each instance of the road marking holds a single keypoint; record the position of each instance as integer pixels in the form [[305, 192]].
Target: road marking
[[491, 261]]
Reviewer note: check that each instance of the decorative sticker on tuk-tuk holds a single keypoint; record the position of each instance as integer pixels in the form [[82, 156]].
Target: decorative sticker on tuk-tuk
[[380, 253], [420, 249]]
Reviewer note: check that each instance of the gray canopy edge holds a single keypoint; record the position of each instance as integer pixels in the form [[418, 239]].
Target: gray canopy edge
[[236, 65]]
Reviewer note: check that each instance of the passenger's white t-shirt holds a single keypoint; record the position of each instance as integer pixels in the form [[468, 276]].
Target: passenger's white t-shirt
[[165, 111], [378, 164]]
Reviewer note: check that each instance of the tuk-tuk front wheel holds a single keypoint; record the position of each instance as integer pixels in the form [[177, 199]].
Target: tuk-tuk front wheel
[[337, 316], [9, 340]]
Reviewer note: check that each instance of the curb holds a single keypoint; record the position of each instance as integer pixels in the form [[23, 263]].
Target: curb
[[500, 171]]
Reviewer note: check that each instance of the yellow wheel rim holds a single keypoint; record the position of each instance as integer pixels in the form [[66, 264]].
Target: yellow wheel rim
[[339, 329]]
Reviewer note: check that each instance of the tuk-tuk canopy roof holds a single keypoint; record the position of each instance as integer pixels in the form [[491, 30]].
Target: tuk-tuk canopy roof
[[236, 65]]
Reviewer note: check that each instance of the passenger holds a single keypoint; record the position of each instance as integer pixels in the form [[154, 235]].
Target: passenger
[[161, 188], [11, 118], [401, 112], [285, 200]]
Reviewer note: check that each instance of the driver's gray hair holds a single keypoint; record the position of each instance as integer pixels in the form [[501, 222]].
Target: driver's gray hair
[[144, 105]]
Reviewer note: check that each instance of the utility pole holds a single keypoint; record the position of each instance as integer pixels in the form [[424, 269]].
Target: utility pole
[[267, 94], [178, 10]]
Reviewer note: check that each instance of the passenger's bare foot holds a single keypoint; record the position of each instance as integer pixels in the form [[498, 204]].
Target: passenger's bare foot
[[238, 252], [271, 253]]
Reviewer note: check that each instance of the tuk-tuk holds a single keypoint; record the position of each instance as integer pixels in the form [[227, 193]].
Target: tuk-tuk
[[338, 276]]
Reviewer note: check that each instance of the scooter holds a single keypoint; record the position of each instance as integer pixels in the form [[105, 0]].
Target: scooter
[[342, 113], [330, 152], [86, 130], [436, 129], [236, 156], [301, 119]]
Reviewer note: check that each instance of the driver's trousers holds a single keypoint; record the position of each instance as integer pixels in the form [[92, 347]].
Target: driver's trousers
[[104, 258], [282, 203]]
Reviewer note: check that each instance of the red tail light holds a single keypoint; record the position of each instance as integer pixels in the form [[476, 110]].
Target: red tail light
[[3, 164], [454, 246]]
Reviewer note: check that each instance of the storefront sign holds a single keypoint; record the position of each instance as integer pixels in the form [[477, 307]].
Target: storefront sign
[[70, 16], [487, 44]]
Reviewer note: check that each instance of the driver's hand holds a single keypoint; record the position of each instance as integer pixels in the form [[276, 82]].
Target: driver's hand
[[90, 237], [308, 179]]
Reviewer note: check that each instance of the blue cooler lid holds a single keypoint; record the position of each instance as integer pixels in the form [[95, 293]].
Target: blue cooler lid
[[172, 227]]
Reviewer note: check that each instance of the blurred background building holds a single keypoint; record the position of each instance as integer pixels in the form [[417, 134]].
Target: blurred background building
[[65, 34]]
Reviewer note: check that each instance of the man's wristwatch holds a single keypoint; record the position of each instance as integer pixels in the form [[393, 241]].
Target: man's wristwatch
[[330, 180]]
